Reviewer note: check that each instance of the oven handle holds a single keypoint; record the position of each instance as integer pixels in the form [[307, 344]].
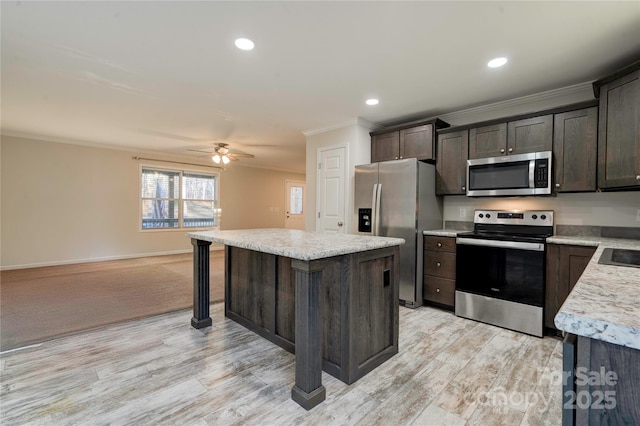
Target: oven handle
[[500, 244]]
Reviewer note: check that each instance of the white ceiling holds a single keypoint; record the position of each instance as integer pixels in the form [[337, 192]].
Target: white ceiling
[[166, 76]]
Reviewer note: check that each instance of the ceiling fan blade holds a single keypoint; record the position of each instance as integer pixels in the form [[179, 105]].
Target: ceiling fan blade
[[199, 150], [232, 157], [241, 155]]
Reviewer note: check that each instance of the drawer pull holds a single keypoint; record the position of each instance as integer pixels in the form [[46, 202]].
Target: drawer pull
[[438, 264], [439, 244], [437, 290]]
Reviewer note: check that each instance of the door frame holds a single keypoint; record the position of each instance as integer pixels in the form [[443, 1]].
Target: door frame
[[345, 188], [303, 184]]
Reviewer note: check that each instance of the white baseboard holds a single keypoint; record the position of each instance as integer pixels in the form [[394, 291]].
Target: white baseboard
[[214, 247]]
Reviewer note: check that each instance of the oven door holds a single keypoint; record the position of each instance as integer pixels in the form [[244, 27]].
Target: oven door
[[507, 270]]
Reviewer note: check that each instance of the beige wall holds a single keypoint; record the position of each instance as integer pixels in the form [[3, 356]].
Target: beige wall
[[63, 203]]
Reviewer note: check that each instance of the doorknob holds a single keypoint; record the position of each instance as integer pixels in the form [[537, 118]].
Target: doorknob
[[340, 223]]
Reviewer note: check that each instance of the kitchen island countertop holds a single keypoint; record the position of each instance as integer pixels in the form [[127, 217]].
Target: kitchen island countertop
[[447, 232], [605, 302], [296, 244]]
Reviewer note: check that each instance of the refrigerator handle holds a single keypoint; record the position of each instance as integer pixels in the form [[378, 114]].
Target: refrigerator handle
[[374, 214], [377, 210]]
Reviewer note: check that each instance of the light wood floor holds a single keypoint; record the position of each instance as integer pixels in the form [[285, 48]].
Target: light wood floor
[[159, 370]]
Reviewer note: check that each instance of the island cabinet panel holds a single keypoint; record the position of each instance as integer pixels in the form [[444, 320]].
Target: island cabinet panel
[[574, 149], [487, 141], [374, 309], [565, 265], [358, 300], [253, 300], [451, 163], [530, 135], [603, 385]]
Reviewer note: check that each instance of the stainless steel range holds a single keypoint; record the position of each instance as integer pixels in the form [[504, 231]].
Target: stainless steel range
[[500, 272]]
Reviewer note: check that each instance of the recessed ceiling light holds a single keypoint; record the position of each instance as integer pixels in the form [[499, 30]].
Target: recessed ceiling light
[[372, 101], [497, 62], [244, 44]]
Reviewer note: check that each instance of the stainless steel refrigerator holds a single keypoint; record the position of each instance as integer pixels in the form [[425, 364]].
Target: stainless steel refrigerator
[[397, 199]]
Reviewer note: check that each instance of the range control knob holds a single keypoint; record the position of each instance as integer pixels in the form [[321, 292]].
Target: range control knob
[[488, 215], [481, 215], [535, 216], [543, 217]]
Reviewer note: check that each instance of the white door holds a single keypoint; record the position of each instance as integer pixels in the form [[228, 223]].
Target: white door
[[330, 200], [295, 194]]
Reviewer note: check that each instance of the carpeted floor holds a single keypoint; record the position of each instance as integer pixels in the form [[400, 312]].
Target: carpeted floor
[[38, 304]]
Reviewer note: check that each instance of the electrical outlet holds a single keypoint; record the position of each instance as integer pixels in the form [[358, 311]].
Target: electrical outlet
[[463, 212]]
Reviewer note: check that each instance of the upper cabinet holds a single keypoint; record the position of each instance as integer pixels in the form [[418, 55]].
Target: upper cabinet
[[488, 141], [619, 129], [451, 164], [574, 150], [385, 146], [410, 140], [514, 137]]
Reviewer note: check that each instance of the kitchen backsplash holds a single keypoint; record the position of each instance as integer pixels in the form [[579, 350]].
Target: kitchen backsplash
[[599, 210]]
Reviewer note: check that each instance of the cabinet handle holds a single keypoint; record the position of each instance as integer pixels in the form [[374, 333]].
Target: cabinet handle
[[401, 157], [510, 149], [501, 150], [437, 290], [396, 158], [439, 244], [438, 264], [638, 177], [557, 185], [464, 188]]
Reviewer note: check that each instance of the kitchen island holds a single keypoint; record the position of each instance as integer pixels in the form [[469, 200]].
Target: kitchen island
[[332, 299], [601, 350]]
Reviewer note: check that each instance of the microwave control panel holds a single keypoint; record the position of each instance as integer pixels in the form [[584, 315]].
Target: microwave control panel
[[541, 173]]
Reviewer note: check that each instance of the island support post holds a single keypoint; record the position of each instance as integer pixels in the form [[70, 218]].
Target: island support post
[[201, 317], [308, 390]]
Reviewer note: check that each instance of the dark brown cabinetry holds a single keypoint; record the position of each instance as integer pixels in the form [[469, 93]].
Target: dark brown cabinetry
[[488, 141], [439, 281], [619, 129], [385, 147], [451, 164], [530, 135], [565, 265], [574, 150], [411, 140], [515, 137], [601, 382]]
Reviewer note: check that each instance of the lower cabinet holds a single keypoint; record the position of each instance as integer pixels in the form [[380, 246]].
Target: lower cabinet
[[439, 280], [565, 264]]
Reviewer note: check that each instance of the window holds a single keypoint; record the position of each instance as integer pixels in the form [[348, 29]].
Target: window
[[172, 199]]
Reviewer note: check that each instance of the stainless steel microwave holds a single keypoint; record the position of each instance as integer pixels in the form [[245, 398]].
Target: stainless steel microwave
[[521, 174]]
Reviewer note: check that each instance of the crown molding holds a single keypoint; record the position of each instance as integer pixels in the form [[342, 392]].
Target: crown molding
[[358, 121], [524, 104]]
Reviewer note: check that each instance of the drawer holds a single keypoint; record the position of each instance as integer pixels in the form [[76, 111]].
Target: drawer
[[439, 290], [447, 244], [440, 264]]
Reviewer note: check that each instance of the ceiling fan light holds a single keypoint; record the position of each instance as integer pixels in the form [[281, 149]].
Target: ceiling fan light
[[225, 159], [216, 159]]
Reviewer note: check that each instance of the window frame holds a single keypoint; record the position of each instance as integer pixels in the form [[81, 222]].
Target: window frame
[[180, 200]]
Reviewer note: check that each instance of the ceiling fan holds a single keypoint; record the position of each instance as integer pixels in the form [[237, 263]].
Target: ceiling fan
[[222, 154]]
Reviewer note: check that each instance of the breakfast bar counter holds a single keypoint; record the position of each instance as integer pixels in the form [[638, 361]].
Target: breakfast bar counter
[[332, 299]]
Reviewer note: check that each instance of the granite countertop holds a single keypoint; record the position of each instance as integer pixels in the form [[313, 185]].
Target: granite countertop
[[447, 232], [605, 303], [296, 244]]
